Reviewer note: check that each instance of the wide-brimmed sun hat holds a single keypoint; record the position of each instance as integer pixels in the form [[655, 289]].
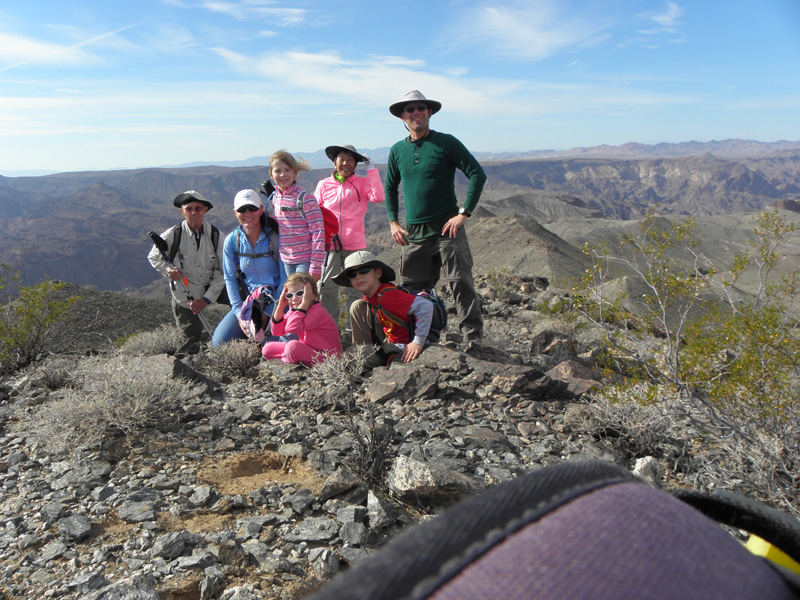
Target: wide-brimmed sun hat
[[362, 258], [333, 151], [190, 196], [414, 96]]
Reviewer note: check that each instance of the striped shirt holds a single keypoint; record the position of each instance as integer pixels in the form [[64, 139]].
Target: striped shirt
[[302, 237]]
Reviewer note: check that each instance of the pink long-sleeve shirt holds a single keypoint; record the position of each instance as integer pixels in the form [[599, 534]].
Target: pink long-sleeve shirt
[[302, 238]]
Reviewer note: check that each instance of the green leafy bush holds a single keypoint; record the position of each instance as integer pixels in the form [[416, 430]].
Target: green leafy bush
[[32, 322], [726, 360]]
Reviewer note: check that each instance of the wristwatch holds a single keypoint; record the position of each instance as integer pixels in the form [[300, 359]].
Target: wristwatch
[[464, 211]]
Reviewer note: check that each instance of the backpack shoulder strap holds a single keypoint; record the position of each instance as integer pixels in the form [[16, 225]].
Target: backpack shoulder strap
[[271, 226], [300, 200], [214, 237], [176, 242]]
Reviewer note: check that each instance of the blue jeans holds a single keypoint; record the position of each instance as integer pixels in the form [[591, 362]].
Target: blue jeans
[[229, 329], [298, 268]]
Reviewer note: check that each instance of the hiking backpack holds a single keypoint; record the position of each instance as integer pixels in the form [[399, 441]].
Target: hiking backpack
[[583, 530], [254, 318], [438, 319]]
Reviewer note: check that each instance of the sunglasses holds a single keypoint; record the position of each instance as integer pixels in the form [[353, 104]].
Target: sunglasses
[[410, 108], [191, 209], [247, 208], [297, 294], [350, 273]]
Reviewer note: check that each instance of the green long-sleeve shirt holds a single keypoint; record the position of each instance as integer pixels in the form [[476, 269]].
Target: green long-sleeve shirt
[[427, 169]]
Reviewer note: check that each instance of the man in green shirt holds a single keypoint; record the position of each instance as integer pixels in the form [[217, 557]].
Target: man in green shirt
[[434, 235]]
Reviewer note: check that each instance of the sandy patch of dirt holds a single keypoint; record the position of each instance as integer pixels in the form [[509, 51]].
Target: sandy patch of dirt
[[113, 530], [244, 473], [195, 522], [183, 588]]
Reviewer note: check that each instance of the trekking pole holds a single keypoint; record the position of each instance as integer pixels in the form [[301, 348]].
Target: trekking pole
[[161, 244]]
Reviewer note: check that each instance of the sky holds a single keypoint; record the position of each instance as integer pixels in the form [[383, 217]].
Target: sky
[[88, 85]]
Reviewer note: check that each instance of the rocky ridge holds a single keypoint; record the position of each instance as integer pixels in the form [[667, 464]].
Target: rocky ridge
[[248, 491]]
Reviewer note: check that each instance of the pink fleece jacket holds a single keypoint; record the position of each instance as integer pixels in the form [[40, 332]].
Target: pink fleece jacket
[[348, 201], [316, 328]]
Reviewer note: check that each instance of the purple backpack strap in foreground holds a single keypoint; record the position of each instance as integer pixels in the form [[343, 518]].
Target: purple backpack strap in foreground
[[578, 531]]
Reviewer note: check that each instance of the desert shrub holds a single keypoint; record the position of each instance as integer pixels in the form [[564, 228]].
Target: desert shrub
[[56, 372], [372, 447], [638, 428], [31, 323], [500, 280], [233, 359], [116, 394], [728, 361], [342, 370], [762, 467], [166, 339]]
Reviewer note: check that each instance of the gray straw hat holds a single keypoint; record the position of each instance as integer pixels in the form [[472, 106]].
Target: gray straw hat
[[414, 96], [360, 259], [333, 151]]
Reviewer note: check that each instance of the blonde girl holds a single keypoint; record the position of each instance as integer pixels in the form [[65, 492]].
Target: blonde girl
[[299, 217]]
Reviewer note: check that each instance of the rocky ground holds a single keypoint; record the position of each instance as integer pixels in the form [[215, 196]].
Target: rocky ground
[[251, 489]]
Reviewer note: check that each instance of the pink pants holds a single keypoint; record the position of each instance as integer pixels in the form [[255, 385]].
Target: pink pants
[[293, 352]]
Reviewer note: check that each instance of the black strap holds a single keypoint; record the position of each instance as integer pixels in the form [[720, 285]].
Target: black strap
[[768, 523], [299, 206], [176, 240]]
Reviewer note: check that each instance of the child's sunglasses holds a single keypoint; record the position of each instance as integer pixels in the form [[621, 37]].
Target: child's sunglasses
[[350, 273], [247, 208], [298, 293]]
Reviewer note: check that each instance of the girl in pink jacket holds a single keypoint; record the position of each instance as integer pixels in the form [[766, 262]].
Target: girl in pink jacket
[[318, 335], [346, 195]]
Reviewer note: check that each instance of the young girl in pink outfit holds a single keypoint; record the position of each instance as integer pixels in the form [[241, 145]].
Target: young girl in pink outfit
[[317, 332], [299, 217]]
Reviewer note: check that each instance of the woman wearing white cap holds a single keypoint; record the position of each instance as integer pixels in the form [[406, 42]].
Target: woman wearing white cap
[[250, 259]]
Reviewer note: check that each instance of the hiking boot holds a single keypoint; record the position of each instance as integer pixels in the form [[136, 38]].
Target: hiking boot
[[380, 358]]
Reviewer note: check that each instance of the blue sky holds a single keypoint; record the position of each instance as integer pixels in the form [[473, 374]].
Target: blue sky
[[98, 85]]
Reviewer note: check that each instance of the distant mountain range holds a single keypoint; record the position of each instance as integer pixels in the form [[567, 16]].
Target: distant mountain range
[[731, 148], [90, 228]]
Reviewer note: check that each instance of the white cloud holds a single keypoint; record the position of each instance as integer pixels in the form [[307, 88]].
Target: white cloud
[[328, 77], [321, 80], [18, 50], [525, 30], [258, 9], [663, 22], [669, 18]]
